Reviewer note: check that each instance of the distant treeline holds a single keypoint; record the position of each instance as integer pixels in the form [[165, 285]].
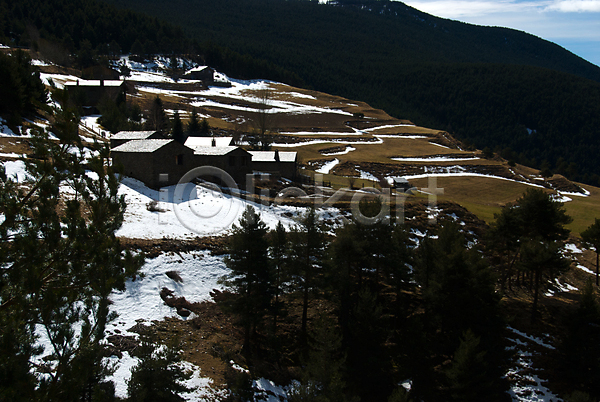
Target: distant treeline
[[86, 32], [526, 98]]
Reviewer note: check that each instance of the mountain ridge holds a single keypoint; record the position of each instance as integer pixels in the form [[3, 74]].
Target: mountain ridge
[[419, 67]]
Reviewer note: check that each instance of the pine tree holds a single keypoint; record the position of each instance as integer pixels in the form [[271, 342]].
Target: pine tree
[[177, 132], [503, 242], [204, 128], [369, 364], [528, 235], [591, 237], [157, 376], [323, 369], [22, 91], [580, 348], [460, 297], [251, 276], [279, 244], [544, 261], [468, 377], [157, 119], [60, 261], [307, 245], [399, 395], [193, 127]]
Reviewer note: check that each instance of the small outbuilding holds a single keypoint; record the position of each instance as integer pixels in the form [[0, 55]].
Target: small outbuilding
[[275, 163], [201, 73], [401, 183]]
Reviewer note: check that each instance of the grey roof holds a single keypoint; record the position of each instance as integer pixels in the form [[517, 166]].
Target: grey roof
[[400, 180], [199, 68], [193, 142], [132, 135], [147, 146], [213, 150], [269, 156]]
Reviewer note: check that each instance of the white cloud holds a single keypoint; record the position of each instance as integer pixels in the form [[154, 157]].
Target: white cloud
[[571, 6], [477, 8], [457, 9], [570, 23]]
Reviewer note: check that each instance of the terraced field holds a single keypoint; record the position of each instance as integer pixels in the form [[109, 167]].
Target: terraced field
[[351, 143]]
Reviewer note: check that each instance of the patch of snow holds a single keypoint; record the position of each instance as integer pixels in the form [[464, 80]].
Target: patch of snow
[[122, 374], [572, 248], [586, 193], [329, 141], [585, 269], [406, 384], [16, 170], [367, 176], [387, 126], [12, 155], [141, 299], [201, 389], [562, 287], [347, 150], [526, 386], [267, 391], [560, 198], [91, 122], [320, 133], [417, 232], [196, 210], [237, 367], [439, 145], [59, 79], [326, 168], [408, 137], [39, 63], [459, 171], [5, 131], [531, 338], [301, 95], [435, 159]]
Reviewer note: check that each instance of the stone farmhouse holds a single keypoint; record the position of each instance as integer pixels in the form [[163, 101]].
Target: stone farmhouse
[[89, 93], [163, 162]]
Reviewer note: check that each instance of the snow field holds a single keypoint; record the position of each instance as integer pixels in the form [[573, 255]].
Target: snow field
[[141, 303], [195, 211]]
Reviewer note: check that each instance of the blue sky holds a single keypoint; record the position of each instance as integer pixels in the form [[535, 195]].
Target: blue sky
[[572, 24]]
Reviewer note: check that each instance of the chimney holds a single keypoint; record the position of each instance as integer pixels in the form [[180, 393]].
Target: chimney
[[213, 142]]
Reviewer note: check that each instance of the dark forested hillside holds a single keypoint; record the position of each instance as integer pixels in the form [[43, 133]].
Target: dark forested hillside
[[86, 32]]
